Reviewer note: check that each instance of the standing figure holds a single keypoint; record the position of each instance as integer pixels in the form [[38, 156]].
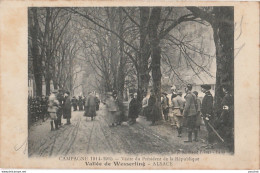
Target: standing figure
[[145, 105], [133, 109], [165, 106], [227, 118], [97, 103], [198, 119], [170, 114], [190, 111], [207, 112], [52, 109], [111, 109], [177, 110], [67, 108], [80, 103], [83, 102], [152, 109], [74, 103], [90, 106], [60, 97]]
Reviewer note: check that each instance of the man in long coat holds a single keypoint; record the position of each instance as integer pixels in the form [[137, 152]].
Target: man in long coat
[[207, 112], [67, 108], [91, 106], [60, 97], [190, 111], [74, 103], [133, 110], [227, 117], [152, 108]]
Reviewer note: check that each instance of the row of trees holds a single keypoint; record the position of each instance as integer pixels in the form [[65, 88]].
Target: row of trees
[[138, 37], [129, 46], [52, 48]]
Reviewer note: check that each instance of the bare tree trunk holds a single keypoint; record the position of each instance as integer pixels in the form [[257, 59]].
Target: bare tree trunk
[[48, 85], [143, 71], [222, 22], [156, 58], [224, 42], [121, 73], [37, 60]]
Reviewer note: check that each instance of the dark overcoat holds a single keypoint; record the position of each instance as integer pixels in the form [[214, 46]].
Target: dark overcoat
[[67, 108], [133, 109], [207, 104]]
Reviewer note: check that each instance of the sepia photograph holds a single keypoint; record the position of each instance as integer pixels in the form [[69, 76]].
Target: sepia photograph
[[130, 80], [139, 85]]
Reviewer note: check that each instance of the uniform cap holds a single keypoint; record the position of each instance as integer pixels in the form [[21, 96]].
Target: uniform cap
[[189, 86], [196, 93], [205, 86]]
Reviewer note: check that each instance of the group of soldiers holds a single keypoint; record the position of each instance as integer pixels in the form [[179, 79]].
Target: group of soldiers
[[191, 111], [78, 104]]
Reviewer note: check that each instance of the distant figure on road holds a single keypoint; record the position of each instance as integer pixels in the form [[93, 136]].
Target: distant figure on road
[[97, 103], [90, 105], [67, 108], [74, 103], [80, 103], [133, 109]]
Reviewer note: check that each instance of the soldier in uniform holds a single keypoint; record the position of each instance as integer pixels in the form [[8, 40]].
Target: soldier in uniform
[[60, 98], [198, 119], [177, 109], [207, 112], [190, 112], [53, 107], [165, 106], [227, 117]]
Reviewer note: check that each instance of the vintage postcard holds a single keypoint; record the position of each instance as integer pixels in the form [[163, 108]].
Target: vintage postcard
[[129, 85]]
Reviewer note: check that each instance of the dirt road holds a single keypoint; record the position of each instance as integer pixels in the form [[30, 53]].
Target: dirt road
[[86, 136]]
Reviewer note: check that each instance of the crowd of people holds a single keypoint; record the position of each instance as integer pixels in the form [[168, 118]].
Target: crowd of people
[[190, 112]]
